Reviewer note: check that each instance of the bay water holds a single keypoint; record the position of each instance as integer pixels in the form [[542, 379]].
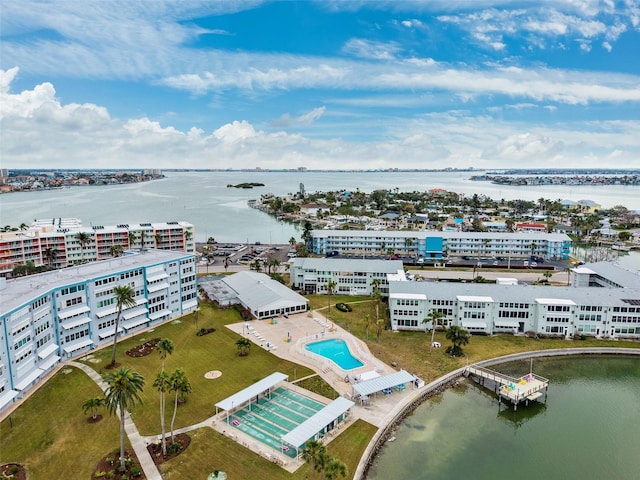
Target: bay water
[[203, 198], [588, 429]]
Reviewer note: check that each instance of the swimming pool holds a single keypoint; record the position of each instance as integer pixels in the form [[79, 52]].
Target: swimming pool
[[337, 351]]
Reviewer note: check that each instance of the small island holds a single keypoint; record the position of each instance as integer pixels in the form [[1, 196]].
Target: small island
[[246, 185]]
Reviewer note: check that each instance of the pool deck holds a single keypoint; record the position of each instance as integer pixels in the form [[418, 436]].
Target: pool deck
[[312, 326]]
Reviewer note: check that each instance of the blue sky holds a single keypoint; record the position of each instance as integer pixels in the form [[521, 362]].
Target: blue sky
[[320, 84]]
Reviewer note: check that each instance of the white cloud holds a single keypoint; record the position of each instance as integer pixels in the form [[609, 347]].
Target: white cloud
[[607, 46], [38, 130], [363, 48]]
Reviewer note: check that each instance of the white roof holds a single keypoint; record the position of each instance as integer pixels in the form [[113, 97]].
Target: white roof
[[473, 298], [29, 379], [76, 323], [307, 429], [555, 301], [474, 325], [73, 311], [347, 265], [48, 350], [369, 375], [259, 292], [7, 397], [507, 323], [78, 346], [378, 384], [251, 391], [409, 296]]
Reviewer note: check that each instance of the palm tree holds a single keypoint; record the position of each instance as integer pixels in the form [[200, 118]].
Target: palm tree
[[313, 451], [142, 238], [116, 250], [123, 393], [83, 238], [92, 405], [367, 324], [376, 294], [243, 345], [50, 255], [124, 296], [158, 239], [458, 336], [335, 468], [161, 383], [434, 317], [226, 263], [275, 263], [132, 239], [179, 384], [165, 348], [547, 275], [331, 285], [292, 242], [379, 325]]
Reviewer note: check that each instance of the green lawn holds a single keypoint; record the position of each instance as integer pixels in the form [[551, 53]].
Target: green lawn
[[45, 433], [46, 440], [410, 350], [196, 355], [210, 450]]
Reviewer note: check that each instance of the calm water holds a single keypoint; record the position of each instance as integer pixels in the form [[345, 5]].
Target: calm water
[[337, 351], [588, 429], [220, 212]]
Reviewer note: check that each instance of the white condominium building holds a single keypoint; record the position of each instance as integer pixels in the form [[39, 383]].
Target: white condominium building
[[61, 242], [603, 301], [352, 276], [61, 314], [436, 244]]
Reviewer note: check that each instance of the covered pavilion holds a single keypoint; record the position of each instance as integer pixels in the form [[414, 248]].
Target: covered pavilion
[[378, 384], [251, 393], [319, 424]]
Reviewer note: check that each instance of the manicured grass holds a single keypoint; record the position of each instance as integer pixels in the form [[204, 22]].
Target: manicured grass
[[49, 433], [196, 355], [410, 350], [210, 450]]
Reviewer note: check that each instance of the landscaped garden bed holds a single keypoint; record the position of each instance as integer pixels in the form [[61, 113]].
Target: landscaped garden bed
[[13, 471], [182, 441], [143, 349], [109, 467], [343, 307]]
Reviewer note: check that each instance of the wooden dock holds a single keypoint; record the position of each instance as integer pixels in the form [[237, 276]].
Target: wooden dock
[[517, 390]]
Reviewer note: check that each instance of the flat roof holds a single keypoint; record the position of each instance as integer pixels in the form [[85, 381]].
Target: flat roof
[[435, 233], [473, 298], [374, 385], [337, 264], [312, 425], [20, 291], [260, 292], [521, 293], [555, 301], [251, 391]]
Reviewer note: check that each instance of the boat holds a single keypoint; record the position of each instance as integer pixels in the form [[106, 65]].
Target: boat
[[621, 248]]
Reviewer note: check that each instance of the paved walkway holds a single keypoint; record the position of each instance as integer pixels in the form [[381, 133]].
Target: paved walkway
[[138, 442]]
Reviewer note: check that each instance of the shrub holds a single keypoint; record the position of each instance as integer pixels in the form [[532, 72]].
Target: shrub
[[135, 471], [100, 474], [14, 469], [343, 307]]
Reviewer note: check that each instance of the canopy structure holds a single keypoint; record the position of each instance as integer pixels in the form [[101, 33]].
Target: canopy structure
[[318, 422], [246, 395], [381, 383]]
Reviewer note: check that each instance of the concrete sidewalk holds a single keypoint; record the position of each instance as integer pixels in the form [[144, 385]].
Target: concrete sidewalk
[[138, 443]]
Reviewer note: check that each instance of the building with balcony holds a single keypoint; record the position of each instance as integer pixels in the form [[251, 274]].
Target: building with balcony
[[57, 242], [607, 307], [352, 276], [62, 314], [435, 244]]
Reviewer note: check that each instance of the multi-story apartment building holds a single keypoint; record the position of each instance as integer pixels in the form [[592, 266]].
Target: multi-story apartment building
[[351, 276], [436, 244], [603, 301], [65, 241], [61, 314]]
